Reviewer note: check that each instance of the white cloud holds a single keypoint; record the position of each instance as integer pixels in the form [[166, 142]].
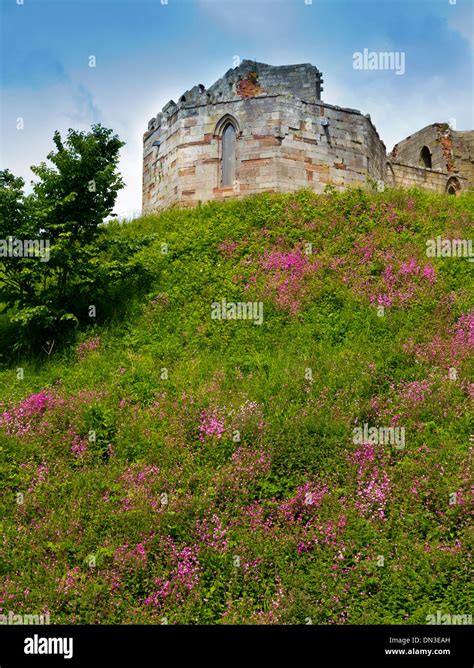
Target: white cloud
[[64, 105], [461, 19], [250, 18]]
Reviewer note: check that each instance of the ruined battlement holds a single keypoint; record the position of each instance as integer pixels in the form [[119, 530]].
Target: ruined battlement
[[250, 79]]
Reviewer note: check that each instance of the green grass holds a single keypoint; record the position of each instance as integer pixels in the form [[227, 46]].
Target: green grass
[[128, 512]]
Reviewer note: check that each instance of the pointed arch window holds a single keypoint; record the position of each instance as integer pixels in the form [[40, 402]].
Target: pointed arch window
[[229, 155]]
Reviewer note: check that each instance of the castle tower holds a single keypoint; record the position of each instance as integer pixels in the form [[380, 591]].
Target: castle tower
[[258, 128]]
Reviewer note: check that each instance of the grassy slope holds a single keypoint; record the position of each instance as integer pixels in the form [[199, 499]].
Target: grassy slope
[[159, 520]]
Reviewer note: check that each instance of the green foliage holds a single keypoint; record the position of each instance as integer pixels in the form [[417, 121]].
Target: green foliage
[[191, 496], [49, 294]]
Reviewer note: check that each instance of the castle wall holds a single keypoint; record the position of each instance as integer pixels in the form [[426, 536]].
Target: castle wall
[[325, 144], [189, 169], [284, 144], [377, 154], [408, 176], [463, 154]]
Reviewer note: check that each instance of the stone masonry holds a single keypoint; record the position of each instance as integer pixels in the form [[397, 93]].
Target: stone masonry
[[284, 137], [436, 158]]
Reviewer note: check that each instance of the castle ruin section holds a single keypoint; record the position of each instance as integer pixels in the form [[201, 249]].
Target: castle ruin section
[[265, 129], [259, 128], [435, 158]]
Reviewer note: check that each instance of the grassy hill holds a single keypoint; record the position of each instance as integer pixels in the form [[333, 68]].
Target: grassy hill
[[178, 468]]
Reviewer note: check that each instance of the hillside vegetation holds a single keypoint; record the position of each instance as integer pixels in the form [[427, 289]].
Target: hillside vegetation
[[171, 467]]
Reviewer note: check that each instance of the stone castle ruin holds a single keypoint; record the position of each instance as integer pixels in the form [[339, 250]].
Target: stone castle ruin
[[261, 128]]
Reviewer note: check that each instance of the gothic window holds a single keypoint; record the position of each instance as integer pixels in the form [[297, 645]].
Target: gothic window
[[425, 157], [453, 186], [229, 155]]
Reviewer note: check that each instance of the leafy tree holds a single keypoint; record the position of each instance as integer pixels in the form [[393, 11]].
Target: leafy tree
[[70, 201], [73, 199], [16, 278]]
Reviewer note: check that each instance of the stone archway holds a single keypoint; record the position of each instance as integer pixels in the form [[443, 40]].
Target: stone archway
[[453, 186]]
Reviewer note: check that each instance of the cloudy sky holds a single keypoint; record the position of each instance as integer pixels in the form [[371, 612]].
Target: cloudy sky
[[150, 51]]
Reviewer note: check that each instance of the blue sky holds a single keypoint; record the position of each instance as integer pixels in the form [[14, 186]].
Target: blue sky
[[147, 53]]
